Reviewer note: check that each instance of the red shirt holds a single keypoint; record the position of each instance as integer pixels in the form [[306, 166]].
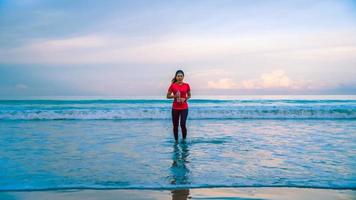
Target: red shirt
[[184, 88]]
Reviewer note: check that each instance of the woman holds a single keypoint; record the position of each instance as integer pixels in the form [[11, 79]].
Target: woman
[[181, 93]]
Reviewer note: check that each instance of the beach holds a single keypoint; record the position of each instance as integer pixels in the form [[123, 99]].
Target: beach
[[235, 149], [261, 94]]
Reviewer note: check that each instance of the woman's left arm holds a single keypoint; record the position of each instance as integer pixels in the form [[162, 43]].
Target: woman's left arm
[[189, 95]]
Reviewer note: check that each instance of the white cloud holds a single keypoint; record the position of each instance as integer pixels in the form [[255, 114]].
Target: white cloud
[[274, 79], [89, 41], [21, 86], [208, 73], [224, 83], [100, 48], [210, 76], [271, 80]]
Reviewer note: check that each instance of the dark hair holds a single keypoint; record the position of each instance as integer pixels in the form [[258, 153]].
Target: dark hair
[[177, 72]]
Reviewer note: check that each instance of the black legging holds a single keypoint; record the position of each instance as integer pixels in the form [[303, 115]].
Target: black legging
[[175, 119]]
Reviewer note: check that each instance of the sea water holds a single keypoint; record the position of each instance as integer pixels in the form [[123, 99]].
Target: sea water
[[303, 141]]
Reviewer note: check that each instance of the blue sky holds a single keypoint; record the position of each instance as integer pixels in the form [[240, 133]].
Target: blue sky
[[132, 48]]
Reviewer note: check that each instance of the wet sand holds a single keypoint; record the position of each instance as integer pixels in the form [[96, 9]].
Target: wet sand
[[181, 194]]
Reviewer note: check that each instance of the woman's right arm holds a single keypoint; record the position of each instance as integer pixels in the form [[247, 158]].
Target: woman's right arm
[[170, 95]]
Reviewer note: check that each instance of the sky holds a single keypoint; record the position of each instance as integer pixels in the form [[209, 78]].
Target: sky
[[133, 48]]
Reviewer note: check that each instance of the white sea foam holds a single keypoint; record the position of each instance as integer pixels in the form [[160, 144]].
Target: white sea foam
[[161, 109]]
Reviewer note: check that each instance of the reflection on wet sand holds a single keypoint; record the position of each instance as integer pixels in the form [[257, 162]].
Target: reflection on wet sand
[[181, 194], [179, 170]]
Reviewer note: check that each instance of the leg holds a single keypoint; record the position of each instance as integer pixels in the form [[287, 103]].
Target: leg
[[175, 120], [183, 119]]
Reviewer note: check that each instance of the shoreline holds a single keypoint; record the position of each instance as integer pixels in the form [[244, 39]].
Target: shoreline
[[252, 193]]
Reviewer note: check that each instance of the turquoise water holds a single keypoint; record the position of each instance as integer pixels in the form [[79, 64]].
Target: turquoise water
[[129, 144]]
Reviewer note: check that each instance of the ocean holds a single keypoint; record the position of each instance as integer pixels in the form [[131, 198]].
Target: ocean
[[235, 141]]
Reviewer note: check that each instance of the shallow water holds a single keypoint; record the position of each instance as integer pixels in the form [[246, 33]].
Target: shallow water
[[38, 154], [142, 154]]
